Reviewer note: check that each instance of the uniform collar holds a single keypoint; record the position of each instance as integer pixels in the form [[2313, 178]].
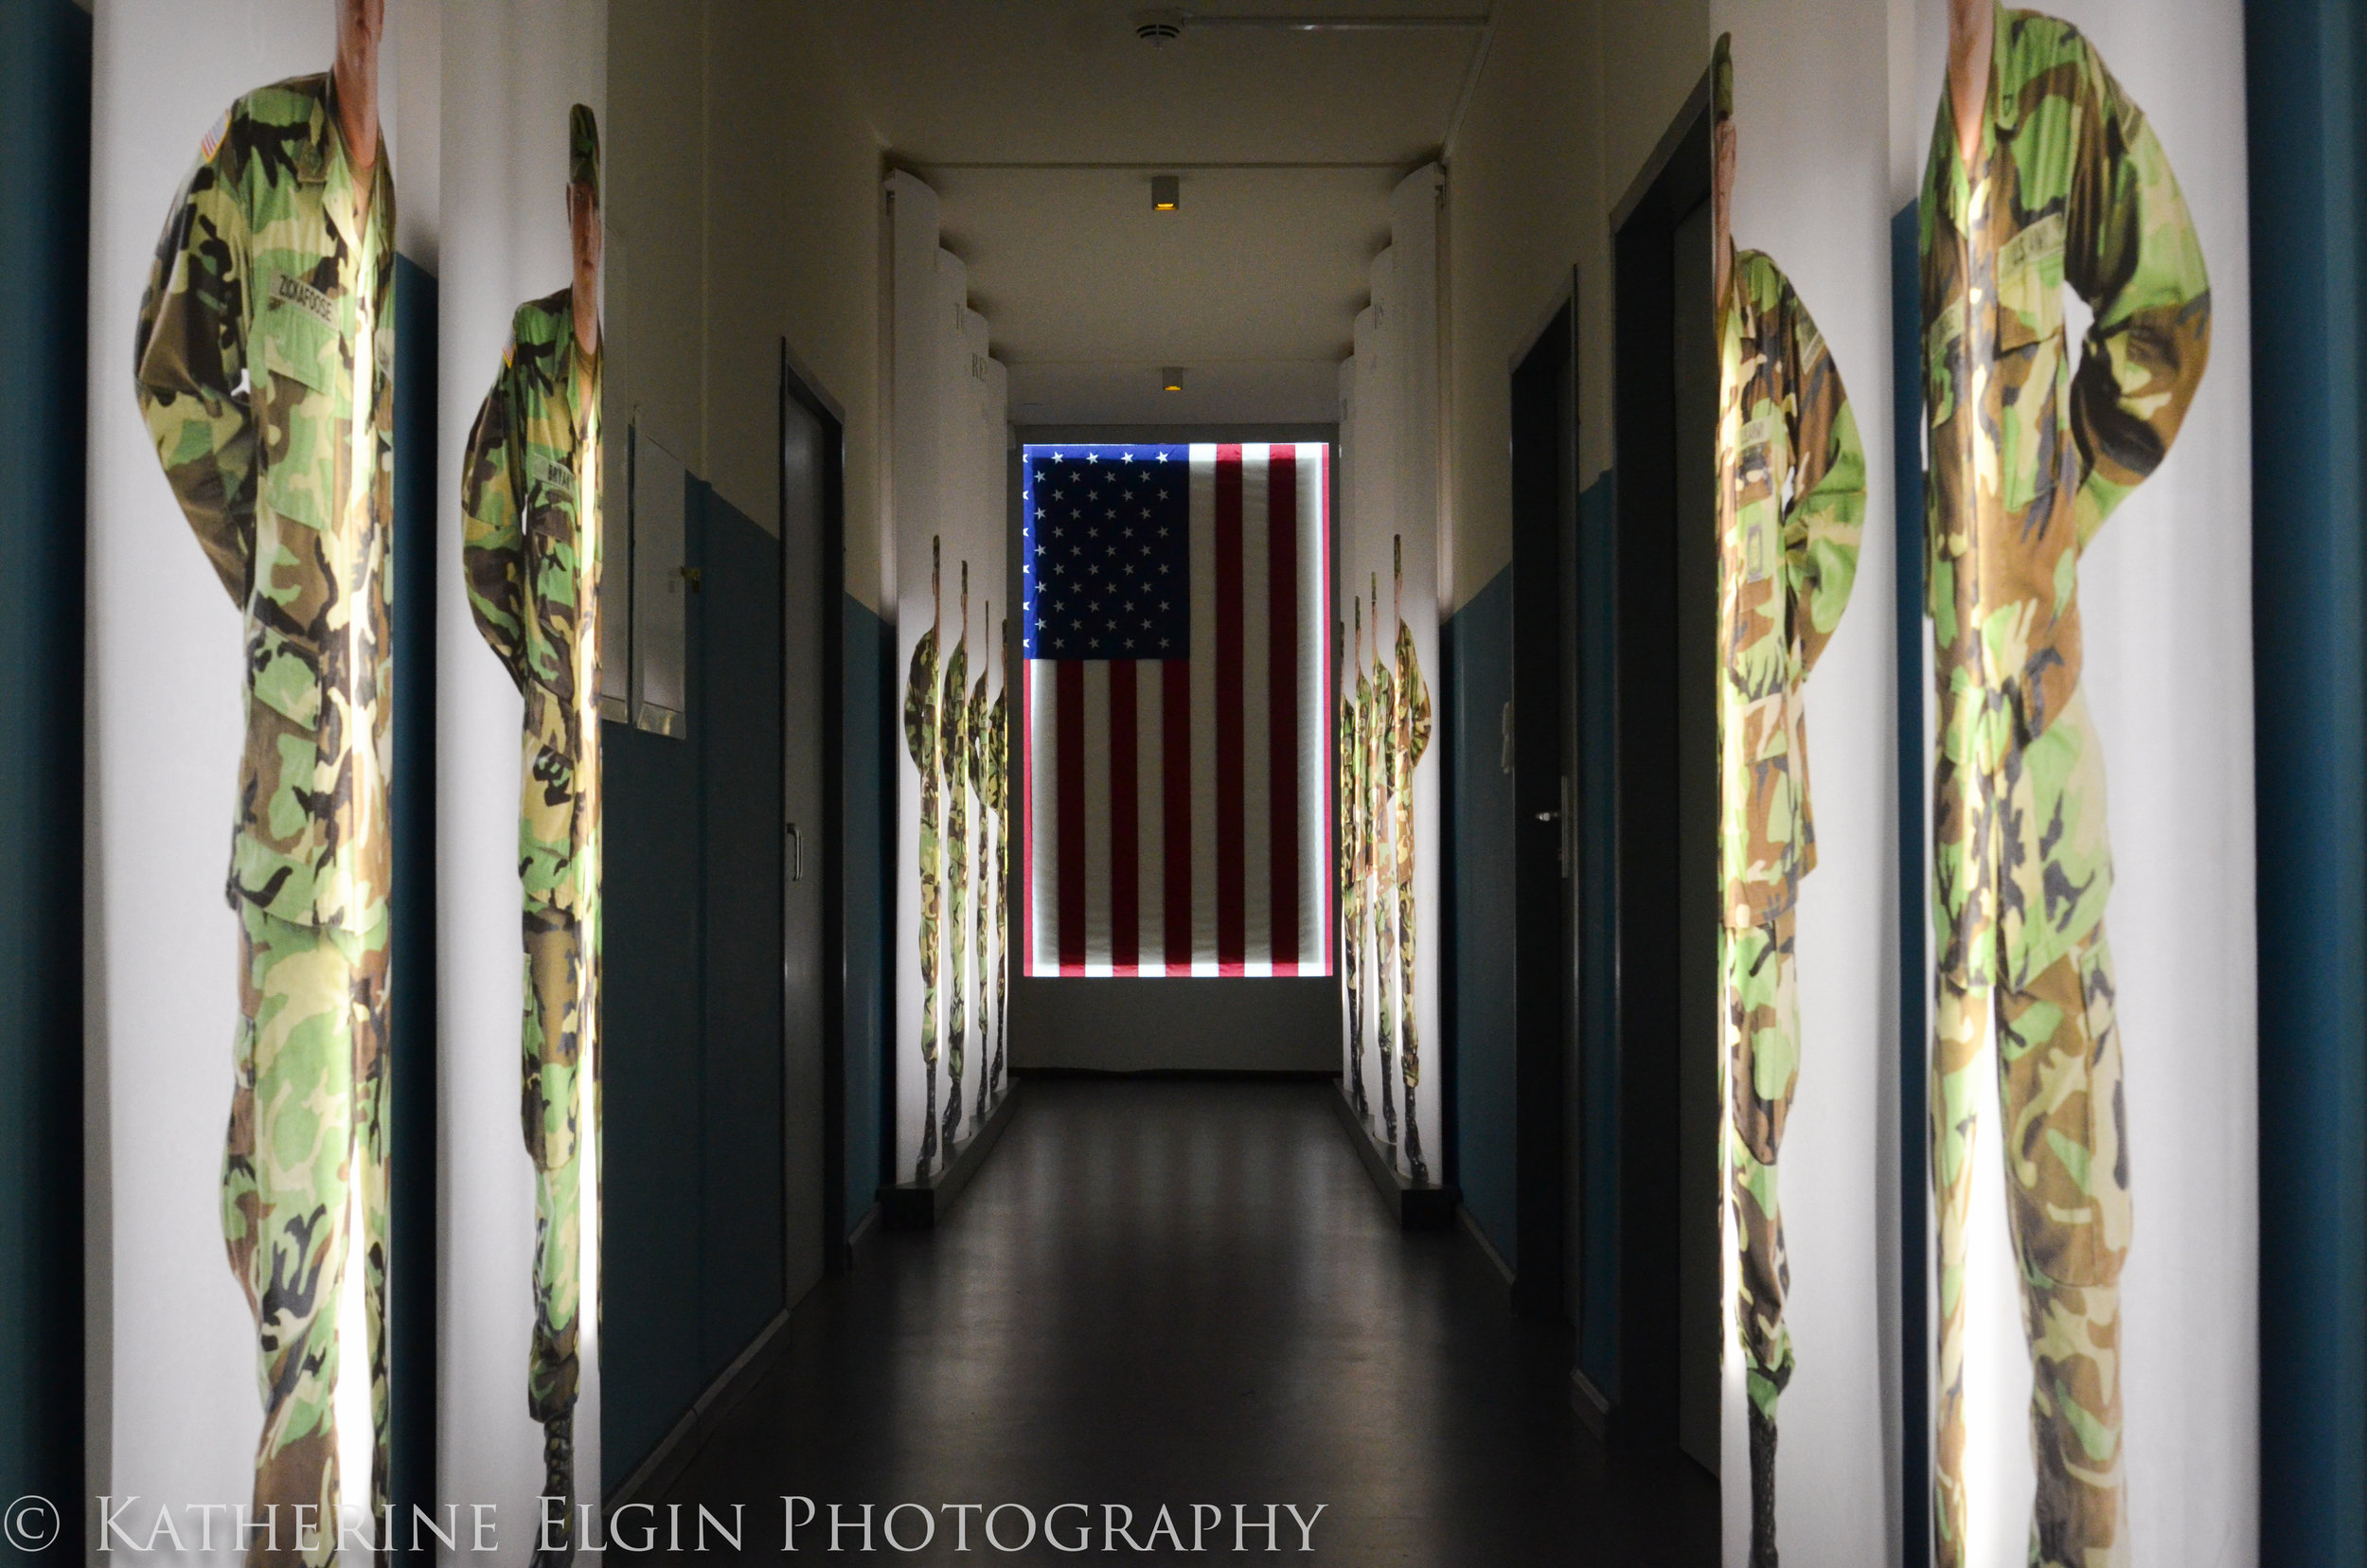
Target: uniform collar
[[1956, 181], [323, 157]]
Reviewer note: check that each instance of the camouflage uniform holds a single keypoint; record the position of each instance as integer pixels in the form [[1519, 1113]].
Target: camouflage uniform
[[998, 801], [2069, 187], [1354, 861], [1380, 728], [977, 772], [920, 741], [1791, 507], [530, 507], [952, 741], [1408, 743], [263, 360]]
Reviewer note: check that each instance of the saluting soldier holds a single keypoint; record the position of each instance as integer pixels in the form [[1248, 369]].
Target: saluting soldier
[[1379, 788], [998, 801], [264, 365], [954, 746], [1408, 743], [531, 549], [2043, 173], [1790, 510], [920, 744]]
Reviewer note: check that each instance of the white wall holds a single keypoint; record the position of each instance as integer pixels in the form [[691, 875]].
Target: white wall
[[2166, 615], [510, 72], [1812, 192], [172, 1407]]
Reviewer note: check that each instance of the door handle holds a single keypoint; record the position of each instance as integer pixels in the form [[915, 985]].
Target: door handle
[[796, 854]]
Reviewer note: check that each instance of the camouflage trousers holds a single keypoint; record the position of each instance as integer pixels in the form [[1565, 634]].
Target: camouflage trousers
[[307, 1146], [2059, 1067], [1759, 994], [558, 1016]]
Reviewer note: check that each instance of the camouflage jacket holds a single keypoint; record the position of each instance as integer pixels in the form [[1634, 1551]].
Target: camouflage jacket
[[2028, 459], [1791, 509], [531, 551], [264, 361]]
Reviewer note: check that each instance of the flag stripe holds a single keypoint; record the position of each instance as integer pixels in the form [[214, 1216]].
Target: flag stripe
[[1071, 761], [1203, 776], [1098, 824], [1282, 714], [1229, 847], [1256, 702], [1150, 822], [1125, 809], [1175, 710]]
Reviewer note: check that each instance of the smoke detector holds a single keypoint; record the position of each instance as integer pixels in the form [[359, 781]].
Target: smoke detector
[[1160, 27]]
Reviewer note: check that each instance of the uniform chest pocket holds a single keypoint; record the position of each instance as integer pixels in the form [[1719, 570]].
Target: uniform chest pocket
[[1943, 351], [300, 359], [2030, 286], [1758, 498]]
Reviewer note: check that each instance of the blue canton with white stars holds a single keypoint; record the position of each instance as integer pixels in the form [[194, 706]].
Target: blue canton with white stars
[[1106, 556]]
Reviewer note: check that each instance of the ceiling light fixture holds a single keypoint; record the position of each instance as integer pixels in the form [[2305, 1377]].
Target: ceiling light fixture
[[1171, 379], [1159, 28], [1167, 193]]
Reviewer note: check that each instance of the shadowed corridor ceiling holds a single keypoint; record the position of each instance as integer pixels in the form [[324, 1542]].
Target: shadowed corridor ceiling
[[1040, 123]]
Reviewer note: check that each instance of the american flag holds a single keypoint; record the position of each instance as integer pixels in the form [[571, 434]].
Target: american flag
[[1176, 617]]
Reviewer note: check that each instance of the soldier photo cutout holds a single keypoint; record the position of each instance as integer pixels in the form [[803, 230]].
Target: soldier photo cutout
[[1792, 502], [2042, 174], [264, 367], [530, 505]]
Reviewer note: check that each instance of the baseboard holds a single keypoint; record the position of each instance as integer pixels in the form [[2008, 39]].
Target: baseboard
[[1471, 1227], [1416, 1205], [682, 1441], [923, 1205], [1593, 1409]]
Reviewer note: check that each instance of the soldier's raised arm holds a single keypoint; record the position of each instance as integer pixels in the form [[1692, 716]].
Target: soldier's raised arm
[[2131, 252], [188, 359], [1826, 516], [492, 548]]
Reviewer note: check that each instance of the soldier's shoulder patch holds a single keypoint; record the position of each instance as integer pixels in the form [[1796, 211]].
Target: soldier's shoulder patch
[[211, 142]]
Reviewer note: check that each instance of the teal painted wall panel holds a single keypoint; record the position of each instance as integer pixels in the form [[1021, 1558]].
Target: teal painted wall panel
[[1485, 1045], [870, 645], [44, 227]]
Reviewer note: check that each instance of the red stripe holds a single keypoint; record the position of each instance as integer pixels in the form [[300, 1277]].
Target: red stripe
[[1070, 673], [1282, 700], [1125, 823], [1175, 757], [1231, 915]]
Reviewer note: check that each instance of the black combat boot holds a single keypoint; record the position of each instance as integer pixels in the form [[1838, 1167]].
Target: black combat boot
[[1762, 1489], [555, 1548]]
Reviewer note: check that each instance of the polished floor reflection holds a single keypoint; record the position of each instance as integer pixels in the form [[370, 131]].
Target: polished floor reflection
[[1170, 1293]]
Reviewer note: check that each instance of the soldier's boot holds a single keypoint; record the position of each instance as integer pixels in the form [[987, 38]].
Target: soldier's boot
[[952, 1114], [554, 1547], [1762, 1488], [928, 1128], [1388, 1102], [1414, 1139]]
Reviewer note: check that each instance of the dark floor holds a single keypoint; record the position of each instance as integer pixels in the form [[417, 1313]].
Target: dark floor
[[1162, 1291]]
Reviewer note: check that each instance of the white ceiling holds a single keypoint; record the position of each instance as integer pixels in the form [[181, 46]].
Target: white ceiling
[[1287, 144]]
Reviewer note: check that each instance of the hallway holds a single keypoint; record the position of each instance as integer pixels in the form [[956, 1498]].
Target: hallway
[[1164, 1291]]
